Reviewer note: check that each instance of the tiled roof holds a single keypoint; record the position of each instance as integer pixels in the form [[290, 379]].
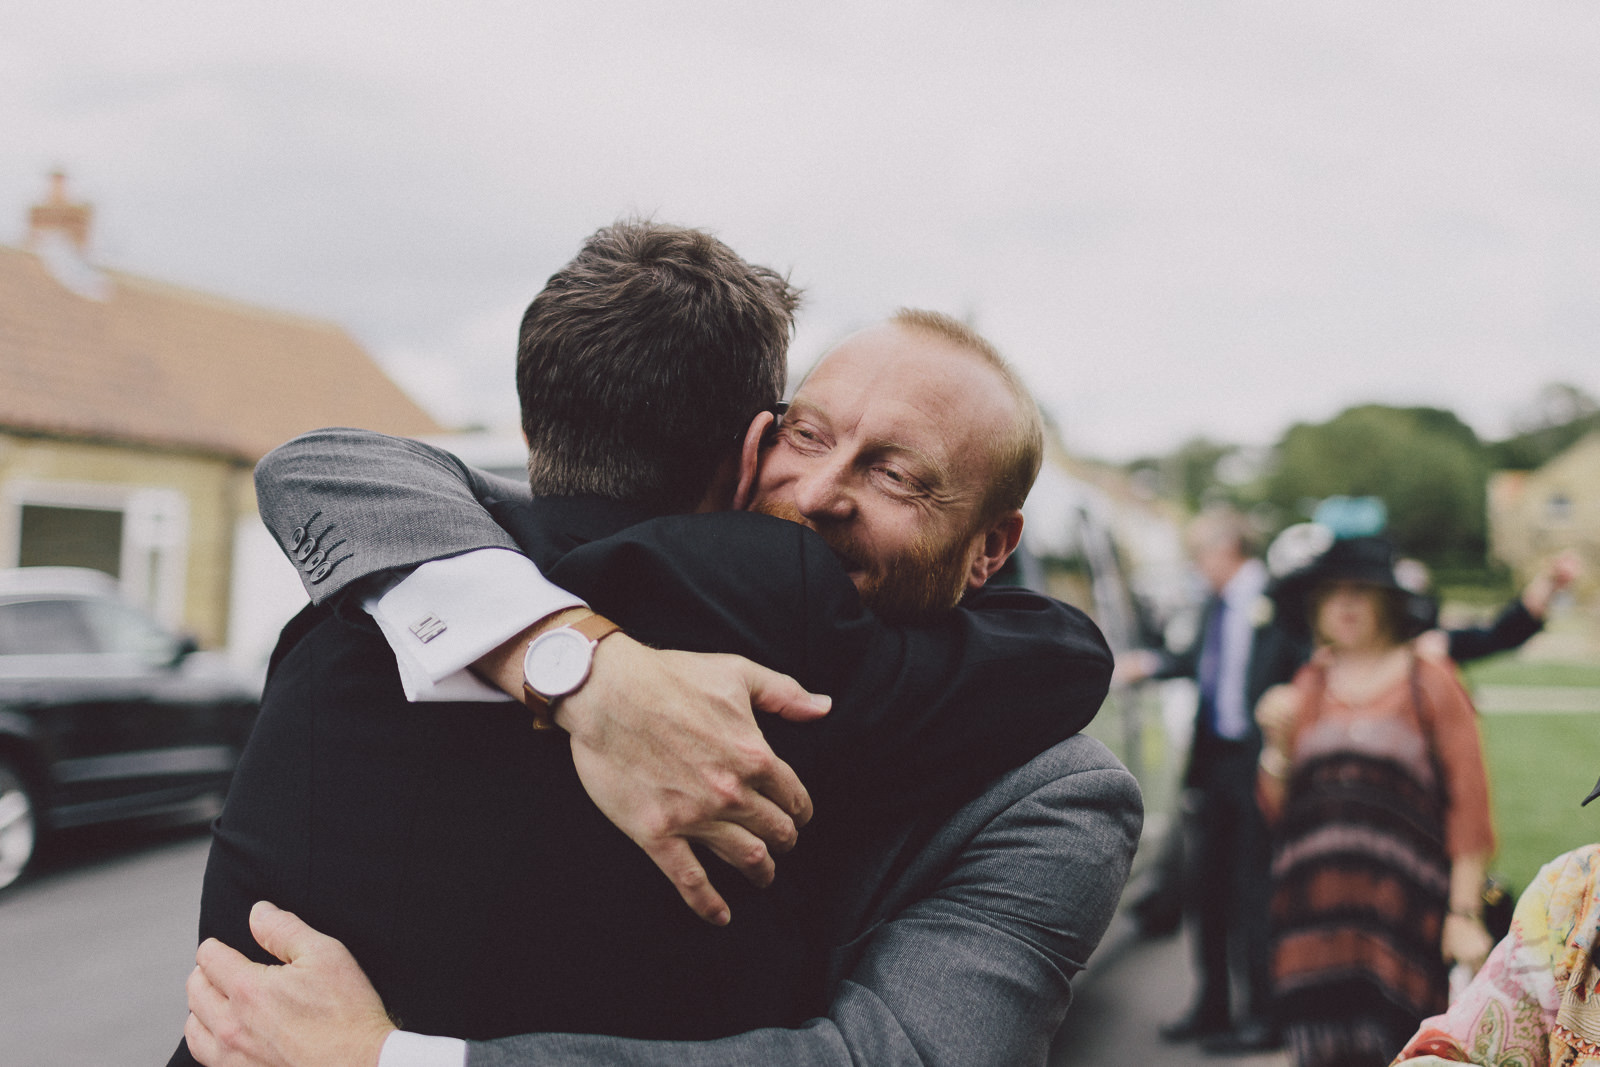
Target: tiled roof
[[159, 364]]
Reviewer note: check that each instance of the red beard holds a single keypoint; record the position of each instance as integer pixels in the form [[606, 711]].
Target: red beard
[[924, 579]]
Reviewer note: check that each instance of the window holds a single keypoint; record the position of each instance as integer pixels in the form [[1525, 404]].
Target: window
[[71, 537], [139, 536]]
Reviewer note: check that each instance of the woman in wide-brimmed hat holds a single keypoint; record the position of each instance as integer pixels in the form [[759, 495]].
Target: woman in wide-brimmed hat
[[1373, 771]]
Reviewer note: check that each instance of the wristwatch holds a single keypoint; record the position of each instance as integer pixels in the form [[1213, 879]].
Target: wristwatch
[[557, 664]]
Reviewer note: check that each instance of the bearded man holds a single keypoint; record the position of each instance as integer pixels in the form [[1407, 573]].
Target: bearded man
[[908, 451]]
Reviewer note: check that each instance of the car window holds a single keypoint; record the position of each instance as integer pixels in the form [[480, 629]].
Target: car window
[[120, 628], [34, 627]]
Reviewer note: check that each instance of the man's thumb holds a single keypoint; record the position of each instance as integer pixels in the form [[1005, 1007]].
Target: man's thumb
[[282, 933], [779, 694]]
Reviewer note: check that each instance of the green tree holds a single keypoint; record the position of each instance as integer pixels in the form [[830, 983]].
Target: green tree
[[1427, 465]]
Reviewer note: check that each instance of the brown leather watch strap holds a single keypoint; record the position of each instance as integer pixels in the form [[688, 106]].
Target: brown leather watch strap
[[596, 628]]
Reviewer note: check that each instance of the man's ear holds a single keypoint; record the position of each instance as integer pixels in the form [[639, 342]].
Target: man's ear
[[750, 460], [997, 542]]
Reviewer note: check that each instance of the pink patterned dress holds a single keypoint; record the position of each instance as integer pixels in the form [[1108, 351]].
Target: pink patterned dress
[[1536, 1002]]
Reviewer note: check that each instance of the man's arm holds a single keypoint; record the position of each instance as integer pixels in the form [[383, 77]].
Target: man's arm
[[915, 727], [923, 713], [970, 965], [363, 503], [1522, 617], [1510, 629], [350, 505]]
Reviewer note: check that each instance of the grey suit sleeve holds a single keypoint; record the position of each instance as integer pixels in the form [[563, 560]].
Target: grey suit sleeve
[[347, 504], [976, 974]]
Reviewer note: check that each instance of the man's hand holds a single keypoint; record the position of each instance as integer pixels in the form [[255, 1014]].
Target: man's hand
[[668, 749], [318, 1010]]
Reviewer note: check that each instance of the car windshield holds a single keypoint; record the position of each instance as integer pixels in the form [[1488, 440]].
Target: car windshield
[[42, 627], [72, 626]]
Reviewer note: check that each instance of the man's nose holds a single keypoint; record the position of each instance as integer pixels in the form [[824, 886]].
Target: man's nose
[[825, 493]]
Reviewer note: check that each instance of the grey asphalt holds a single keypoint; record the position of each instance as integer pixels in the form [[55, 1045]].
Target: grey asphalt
[[1131, 987], [95, 948]]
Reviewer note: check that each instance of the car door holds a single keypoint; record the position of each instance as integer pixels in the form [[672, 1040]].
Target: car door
[[119, 726]]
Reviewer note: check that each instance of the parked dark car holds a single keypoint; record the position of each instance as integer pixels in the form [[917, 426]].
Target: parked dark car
[[104, 714]]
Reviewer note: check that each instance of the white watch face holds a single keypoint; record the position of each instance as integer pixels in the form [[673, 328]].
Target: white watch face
[[558, 662]]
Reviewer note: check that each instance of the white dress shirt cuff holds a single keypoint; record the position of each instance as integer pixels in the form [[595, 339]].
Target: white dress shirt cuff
[[402, 1049], [448, 612]]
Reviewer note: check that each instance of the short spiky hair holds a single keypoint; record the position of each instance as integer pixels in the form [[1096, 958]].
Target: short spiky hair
[[1017, 455], [643, 359]]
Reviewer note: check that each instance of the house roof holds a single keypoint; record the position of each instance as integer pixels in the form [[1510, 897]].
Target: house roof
[[112, 356]]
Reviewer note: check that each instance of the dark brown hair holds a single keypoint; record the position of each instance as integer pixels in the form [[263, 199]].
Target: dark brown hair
[[641, 362]]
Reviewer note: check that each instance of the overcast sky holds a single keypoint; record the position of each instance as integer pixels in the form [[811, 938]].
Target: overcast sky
[[1177, 219]]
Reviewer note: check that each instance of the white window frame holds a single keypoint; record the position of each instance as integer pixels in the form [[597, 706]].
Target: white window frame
[[155, 535]]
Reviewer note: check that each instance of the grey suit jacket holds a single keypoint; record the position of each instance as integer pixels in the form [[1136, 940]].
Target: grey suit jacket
[[965, 958], [964, 952]]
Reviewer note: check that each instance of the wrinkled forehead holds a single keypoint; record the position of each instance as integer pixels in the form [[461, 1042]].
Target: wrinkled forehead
[[923, 387]]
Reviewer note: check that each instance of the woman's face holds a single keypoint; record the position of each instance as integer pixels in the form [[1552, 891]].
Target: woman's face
[[1350, 615]]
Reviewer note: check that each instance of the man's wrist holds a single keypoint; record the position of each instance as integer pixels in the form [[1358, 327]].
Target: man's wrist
[[558, 664], [449, 613], [501, 667]]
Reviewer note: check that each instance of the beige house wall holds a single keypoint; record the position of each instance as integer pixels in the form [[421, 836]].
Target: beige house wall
[[1529, 522], [215, 492]]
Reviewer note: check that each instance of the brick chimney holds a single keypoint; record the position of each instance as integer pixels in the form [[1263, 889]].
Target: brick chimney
[[58, 215]]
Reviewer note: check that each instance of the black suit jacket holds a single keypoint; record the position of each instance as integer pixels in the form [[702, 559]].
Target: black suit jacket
[[1275, 655], [454, 850]]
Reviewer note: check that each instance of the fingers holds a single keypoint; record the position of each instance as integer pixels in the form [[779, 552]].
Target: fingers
[[208, 1011], [779, 694], [223, 967], [677, 861], [282, 933], [742, 850], [762, 817], [203, 1046]]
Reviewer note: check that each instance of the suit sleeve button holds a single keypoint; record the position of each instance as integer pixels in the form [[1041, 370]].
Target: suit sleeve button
[[308, 546], [321, 572], [298, 536], [316, 558]]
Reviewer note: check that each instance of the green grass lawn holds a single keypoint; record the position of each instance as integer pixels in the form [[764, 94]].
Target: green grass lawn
[[1508, 670], [1540, 768]]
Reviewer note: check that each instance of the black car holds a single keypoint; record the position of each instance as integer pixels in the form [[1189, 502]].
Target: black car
[[104, 714]]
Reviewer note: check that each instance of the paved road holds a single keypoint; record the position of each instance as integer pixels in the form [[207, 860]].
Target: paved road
[[1131, 988], [95, 948]]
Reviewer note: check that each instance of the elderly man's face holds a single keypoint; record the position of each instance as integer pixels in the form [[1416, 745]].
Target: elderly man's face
[[887, 451]]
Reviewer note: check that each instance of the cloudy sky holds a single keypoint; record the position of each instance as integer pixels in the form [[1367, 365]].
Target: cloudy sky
[[1178, 219]]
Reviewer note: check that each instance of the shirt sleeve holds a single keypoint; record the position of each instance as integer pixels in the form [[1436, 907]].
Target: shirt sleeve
[[403, 1049], [1469, 828], [448, 612]]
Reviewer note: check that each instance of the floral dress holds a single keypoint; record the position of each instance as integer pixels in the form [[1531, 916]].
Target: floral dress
[[1536, 1002]]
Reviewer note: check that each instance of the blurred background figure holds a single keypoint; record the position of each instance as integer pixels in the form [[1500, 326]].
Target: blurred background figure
[[1518, 621], [1233, 660], [1373, 772]]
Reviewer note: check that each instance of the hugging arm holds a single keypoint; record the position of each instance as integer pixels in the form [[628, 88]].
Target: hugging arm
[[346, 506], [968, 962], [923, 713], [374, 503], [919, 689]]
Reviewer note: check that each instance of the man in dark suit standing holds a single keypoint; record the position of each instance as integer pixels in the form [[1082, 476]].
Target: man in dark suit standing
[[1236, 656], [579, 937]]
